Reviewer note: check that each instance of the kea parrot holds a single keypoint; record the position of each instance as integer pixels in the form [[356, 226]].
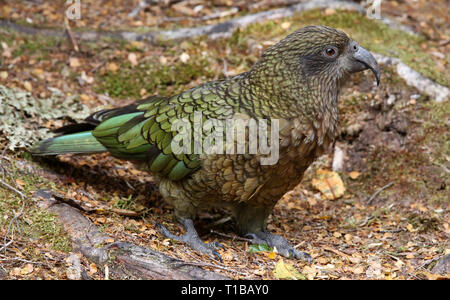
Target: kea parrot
[[295, 85]]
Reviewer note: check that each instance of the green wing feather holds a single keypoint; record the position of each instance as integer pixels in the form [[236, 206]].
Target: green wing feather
[[146, 134]]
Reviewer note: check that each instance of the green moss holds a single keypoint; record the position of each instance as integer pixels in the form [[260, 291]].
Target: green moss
[[153, 77], [45, 226], [125, 203], [33, 223], [371, 34], [36, 45]]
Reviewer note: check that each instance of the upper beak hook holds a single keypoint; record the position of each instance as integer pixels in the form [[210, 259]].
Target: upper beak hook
[[366, 58]]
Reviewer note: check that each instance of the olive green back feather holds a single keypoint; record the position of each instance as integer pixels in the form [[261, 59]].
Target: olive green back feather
[[147, 133]]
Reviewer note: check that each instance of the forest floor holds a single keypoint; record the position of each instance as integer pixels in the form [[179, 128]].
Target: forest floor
[[392, 221]]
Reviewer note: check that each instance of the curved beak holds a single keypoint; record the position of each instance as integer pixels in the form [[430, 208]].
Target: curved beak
[[363, 60]]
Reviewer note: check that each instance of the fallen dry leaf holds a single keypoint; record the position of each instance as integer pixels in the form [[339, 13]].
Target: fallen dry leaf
[[285, 25], [93, 268], [354, 174], [20, 182], [287, 271], [38, 73], [184, 57], [27, 269], [132, 58], [329, 183], [411, 228], [358, 270], [112, 67], [15, 272], [227, 255], [74, 62], [27, 85], [85, 98], [310, 272]]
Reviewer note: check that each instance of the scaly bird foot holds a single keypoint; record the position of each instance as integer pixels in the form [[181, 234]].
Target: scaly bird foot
[[283, 246], [193, 240]]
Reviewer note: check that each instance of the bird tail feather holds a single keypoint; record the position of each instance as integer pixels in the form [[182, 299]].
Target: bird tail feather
[[76, 143]]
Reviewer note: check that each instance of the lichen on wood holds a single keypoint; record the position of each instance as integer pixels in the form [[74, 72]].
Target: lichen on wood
[[22, 116]]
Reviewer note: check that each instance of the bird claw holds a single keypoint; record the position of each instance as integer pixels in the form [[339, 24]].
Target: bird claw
[[283, 247], [217, 245], [217, 255], [255, 239], [294, 253], [192, 239], [250, 236]]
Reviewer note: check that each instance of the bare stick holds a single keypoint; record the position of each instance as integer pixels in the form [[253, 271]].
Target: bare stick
[[71, 36], [374, 195], [233, 237], [16, 215], [12, 189]]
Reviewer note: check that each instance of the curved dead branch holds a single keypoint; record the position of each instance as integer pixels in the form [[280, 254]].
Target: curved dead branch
[[124, 260], [219, 30], [415, 79]]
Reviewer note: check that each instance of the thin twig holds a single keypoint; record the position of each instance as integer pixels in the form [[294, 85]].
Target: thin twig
[[16, 214], [22, 260], [12, 189], [233, 237], [142, 4], [336, 252], [392, 230], [98, 66], [215, 15], [374, 195], [6, 245], [71, 36], [203, 264]]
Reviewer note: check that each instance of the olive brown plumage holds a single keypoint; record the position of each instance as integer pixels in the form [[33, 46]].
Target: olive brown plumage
[[296, 82]]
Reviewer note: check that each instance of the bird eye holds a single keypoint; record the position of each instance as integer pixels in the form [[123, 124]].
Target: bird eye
[[331, 52]]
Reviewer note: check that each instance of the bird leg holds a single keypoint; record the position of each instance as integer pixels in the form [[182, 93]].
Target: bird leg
[[193, 240], [283, 247]]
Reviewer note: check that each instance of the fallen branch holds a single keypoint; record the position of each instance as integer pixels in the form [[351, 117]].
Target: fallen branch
[[142, 5], [13, 189], [225, 29], [70, 34], [123, 260], [374, 195], [16, 214], [415, 79], [146, 3], [220, 30], [102, 210]]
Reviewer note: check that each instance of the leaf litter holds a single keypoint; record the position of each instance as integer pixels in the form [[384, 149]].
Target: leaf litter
[[401, 234]]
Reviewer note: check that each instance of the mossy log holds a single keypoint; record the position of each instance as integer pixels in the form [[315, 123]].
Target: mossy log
[[124, 260]]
